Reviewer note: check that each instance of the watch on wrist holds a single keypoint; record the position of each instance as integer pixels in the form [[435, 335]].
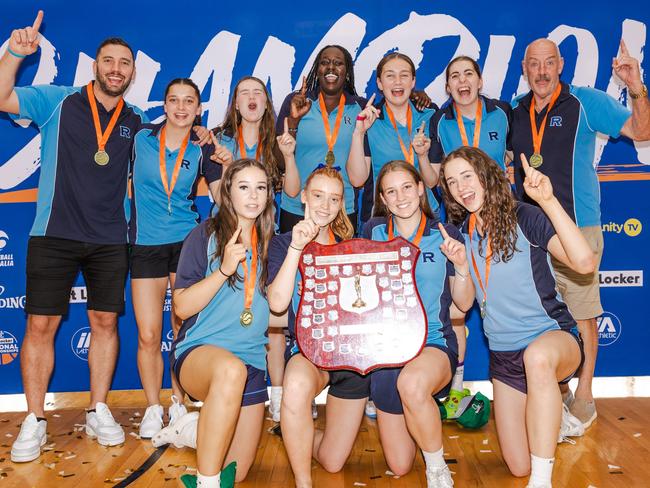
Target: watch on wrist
[[642, 94]]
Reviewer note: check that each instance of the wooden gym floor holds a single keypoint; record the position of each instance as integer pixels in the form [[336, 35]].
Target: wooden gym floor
[[615, 452]]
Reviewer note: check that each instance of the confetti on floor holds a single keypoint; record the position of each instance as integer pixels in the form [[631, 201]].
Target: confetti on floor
[[389, 473], [638, 434], [613, 466], [486, 450], [453, 437], [359, 483], [485, 442]]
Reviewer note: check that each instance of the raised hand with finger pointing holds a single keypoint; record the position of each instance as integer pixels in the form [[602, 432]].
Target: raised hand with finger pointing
[[421, 143], [222, 154], [286, 142], [453, 249], [367, 116], [300, 104], [24, 42]]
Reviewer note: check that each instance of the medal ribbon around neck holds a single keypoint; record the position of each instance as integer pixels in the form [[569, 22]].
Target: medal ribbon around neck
[[488, 262], [331, 235], [169, 187], [249, 280], [477, 124], [408, 155], [418, 235], [242, 146], [330, 136], [538, 135], [102, 138]]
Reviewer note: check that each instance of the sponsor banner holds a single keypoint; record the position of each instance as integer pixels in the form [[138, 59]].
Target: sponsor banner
[[609, 329], [620, 278]]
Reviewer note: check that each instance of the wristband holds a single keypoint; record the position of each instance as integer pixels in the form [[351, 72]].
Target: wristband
[[224, 274], [293, 129], [361, 117], [293, 247], [462, 276], [15, 55]]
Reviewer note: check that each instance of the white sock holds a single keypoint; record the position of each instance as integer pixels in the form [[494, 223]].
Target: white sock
[[276, 395], [203, 481], [541, 470], [457, 381], [434, 459]]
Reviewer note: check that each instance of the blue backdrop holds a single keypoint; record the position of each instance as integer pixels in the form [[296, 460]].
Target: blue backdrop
[[277, 42]]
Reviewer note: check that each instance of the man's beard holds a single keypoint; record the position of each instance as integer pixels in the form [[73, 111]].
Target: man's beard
[[114, 92]]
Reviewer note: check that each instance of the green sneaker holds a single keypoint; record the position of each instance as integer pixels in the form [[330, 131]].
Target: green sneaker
[[227, 479], [452, 402]]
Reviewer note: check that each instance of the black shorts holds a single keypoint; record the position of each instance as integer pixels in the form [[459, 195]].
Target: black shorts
[[53, 265], [154, 261], [508, 366], [383, 384], [288, 220]]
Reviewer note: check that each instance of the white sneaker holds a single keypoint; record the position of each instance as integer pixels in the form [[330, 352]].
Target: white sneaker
[[571, 426], [314, 409], [371, 411], [31, 438], [530, 485], [182, 433], [102, 425], [439, 477], [275, 402], [176, 410], [152, 421]]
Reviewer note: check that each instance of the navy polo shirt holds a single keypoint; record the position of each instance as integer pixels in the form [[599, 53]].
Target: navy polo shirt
[[495, 124], [568, 146], [311, 144], [522, 302], [77, 198], [150, 221]]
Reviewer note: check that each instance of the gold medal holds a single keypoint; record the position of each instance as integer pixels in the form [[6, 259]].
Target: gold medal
[[536, 160], [246, 317], [101, 158], [329, 159]]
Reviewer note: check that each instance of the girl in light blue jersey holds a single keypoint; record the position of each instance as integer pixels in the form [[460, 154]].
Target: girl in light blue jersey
[[532, 336]]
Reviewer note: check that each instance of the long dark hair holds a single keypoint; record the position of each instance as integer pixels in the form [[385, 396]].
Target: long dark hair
[[224, 224], [266, 137], [312, 77], [341, 225], [190, 83], [380, 209], [499, 206]]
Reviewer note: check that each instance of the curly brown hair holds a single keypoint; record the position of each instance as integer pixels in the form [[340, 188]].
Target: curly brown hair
[[341, 225], [224, 224], [499, 207]]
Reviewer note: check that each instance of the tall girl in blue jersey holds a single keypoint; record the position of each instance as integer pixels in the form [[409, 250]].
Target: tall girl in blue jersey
[[532, 336], [325, 222], [248, 131], [467, 119], [388, 131], [219, 355], [407, 414], [165, 173]]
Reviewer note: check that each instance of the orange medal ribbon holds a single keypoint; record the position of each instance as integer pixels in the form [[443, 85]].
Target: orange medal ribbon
[[408, 155], [101, 156], [477, 123], [418, 235], [169, 187], [242, 146], [330, 136], [246, 317], [488, 263], [536, 159], [332, 236]]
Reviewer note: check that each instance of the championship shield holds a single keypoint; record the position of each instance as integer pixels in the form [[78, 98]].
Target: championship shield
[[359, 308]]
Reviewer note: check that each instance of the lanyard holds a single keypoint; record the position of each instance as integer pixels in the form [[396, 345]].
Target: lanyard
[[538, 135], [101, 156], [169, 187], [331, 136], [242, 146], [418, 235], [477, 125], [488, 263], [246, 317], [408, 155]]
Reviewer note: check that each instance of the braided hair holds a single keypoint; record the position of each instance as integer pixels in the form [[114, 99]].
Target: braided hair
[[312, 77]]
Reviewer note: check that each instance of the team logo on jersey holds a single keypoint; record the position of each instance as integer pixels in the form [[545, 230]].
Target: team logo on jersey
[[8, 347], [11, 302], [556, 121], [125, 132], [80, 343], [6, 260], [609, 329]]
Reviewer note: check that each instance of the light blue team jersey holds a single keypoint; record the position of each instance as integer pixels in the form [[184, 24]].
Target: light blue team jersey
[[495, 124], [311, 145], [218, 323], [382, 144], [150, 221], [522, 301], [232, 145], [432, 274]]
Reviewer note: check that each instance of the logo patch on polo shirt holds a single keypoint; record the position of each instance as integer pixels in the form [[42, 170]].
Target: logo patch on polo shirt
[[125, 132], [556, 121]]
